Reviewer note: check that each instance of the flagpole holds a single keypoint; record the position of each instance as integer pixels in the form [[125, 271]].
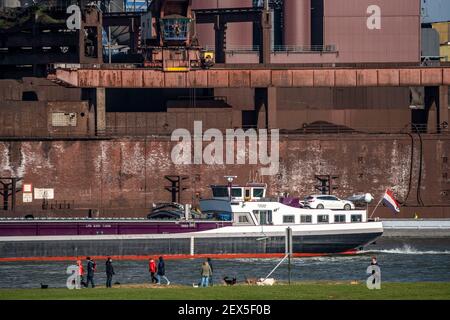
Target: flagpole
[[376, 207]]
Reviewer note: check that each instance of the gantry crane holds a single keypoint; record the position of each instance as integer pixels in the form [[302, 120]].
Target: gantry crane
[[169, 37]]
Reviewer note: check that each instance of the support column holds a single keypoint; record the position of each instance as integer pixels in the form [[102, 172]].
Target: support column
[[220, 39], [443, 119], [272, 108], [265, 50], [100, 111], [13, 194]]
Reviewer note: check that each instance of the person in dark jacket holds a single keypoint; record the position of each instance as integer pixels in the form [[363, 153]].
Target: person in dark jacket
[[109, 272], [161, 271], [90, 272], [212, 271]]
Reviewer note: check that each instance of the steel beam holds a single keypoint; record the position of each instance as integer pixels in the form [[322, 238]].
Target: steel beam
[[256, 77], [100, 111], [443, 109]]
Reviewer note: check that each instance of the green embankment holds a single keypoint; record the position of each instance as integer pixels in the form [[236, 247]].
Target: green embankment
[[298, 291]]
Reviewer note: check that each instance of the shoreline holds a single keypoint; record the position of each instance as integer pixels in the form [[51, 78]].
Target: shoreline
[[305, 290]]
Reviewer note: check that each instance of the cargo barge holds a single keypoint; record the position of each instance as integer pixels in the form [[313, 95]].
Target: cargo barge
[[255, 227]]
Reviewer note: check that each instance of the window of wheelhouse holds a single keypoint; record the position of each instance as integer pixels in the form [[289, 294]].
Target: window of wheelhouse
[[264, 217], [220, 192], [356, 218], [322, 218], [236, 192], [258, 192], [289, 219], [339, 218]]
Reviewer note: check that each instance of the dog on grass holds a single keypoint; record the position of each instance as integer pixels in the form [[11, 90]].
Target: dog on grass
[[229, 281], [266, 282], [251, 280]]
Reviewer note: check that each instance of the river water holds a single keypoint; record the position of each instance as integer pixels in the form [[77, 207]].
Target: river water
[[403, 260]]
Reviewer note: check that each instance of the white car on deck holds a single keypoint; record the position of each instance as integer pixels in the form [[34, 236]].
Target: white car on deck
[[323, 201]]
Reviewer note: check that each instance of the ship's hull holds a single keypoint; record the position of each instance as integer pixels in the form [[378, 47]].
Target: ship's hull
[[227, 241]]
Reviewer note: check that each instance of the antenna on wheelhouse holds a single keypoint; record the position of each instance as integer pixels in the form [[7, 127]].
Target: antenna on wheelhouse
[[230, 183]]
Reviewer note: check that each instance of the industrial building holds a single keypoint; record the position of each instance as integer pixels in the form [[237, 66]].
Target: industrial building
[[349, 83]]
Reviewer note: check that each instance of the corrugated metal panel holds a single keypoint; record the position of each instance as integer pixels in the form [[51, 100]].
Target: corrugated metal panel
[[398, 39], [430, 42], [343, 98], [435, 11], [238, 34], [358, 8], [205, 34]]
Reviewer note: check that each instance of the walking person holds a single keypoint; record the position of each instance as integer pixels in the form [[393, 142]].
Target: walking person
[[81, 273], [91, 266], [152, 270], [206, 273], [161, 271], [109, 272], [212, 271]]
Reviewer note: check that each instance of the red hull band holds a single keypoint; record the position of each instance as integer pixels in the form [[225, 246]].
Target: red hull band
[[180, 256]]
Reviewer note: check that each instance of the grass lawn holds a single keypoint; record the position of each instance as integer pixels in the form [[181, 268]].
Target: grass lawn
[[297, 291]]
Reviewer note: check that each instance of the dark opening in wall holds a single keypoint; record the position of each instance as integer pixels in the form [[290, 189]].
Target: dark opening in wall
[[249, 119], [317, 11], [152, 100], [29, 96]]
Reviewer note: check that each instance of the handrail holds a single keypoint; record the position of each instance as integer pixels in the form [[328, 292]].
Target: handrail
[[305, 48]]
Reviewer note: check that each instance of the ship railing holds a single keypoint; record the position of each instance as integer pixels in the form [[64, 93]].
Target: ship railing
[[164, 129], [304, 48], [242, 49], [327, 128], [313, 128]]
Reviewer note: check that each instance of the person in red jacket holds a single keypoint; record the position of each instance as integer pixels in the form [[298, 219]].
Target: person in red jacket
[[152, 269], [81, 272]]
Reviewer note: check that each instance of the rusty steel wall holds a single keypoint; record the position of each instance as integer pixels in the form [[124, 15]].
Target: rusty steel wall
[[34, 119], [164, 123], [129, 173]]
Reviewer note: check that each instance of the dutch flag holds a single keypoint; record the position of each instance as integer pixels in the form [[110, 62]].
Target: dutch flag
[[390, 202]]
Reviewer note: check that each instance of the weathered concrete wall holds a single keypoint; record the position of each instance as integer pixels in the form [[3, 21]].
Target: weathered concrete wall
[[41, 88], [129, 173]]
